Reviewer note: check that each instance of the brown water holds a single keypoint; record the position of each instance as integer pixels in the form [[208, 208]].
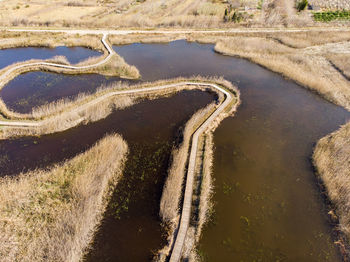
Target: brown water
[[37, 88], [73, 54], [131, 228], [268, 206]]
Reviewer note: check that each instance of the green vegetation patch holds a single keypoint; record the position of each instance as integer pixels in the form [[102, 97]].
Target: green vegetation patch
[[332, 15]]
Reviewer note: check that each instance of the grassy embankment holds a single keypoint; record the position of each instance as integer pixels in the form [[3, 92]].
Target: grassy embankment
[[65, 114], [332, 160], [173, 190], [51, 215], [49, 39]]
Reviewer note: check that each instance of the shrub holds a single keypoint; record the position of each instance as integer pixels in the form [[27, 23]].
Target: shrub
[[301, 5], [237, 17]]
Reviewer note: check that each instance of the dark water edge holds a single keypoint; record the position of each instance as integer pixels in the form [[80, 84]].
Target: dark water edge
[[73, 54], [268, 206]]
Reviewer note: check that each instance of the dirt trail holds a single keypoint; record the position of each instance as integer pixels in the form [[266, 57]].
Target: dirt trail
[[187, 203], [126, 32], [14, 68]]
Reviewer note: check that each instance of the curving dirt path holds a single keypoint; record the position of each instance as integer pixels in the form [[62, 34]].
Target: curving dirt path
[[106, 59], [126, 32], [187, 203]]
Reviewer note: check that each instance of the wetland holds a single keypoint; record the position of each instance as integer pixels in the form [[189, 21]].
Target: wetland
[[268, 205]]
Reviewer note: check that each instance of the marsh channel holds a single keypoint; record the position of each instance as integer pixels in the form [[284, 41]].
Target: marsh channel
[[268, 205]]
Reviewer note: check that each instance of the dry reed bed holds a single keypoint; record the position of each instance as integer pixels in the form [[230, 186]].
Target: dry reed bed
[[332, 161], [291, 39], [311, 70], [49, 39], [170, 209], [342, 63], [66, 114], [51, 215]]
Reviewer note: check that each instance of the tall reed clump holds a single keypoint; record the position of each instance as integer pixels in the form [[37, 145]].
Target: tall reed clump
[[332, 161], [51, 215], [116, 66]]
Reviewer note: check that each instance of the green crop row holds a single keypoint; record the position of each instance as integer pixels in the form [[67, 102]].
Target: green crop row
[[332, 15]]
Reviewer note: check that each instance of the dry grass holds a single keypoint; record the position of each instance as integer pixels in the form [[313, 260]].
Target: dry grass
[[144, 38], [332, 160], [149, 14], [283, 13], [85, 109], [51, 215], [66, 105], [310, 69], [306, 39], [125, 13], [342, 62], [83, 114], [206, 187], [58, 107], [49, 39]]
